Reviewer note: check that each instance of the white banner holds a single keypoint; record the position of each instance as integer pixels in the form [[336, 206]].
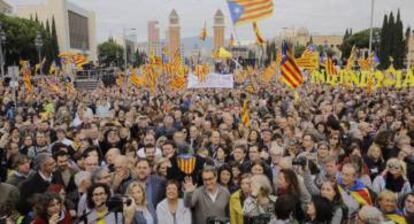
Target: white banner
[[213, 80]]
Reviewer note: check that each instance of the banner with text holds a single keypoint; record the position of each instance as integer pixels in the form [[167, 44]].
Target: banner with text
[[213, 80]]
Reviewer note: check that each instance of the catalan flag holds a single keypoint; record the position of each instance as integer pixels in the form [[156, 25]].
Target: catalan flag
[[245, 114], [330, 67], [135, 79], [259, 37], [358, 192], [26, 80], [203, 33], [291, 74], [246, 11], [351, 59]]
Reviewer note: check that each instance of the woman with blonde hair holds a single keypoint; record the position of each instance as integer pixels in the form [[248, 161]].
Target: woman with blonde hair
[[374, 161], [145, 212], [393, 178], [161, 167], [260, 202]]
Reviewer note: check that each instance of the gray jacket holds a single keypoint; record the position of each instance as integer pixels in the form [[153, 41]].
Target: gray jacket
[[204, 207]]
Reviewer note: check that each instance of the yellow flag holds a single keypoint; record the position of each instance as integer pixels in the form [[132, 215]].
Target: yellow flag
[[203, 33], [259, 37], [245, 114]]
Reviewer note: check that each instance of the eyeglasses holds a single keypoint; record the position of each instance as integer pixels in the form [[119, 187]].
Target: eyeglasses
[[394, 166]]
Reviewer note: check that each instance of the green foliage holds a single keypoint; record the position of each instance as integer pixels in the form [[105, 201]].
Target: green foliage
[[110, 53], [359, 39], [20, 41], [393, 42], [299, 49]]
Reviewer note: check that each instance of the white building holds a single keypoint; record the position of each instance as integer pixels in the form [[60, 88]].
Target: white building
[[76, 26], [5, 7]]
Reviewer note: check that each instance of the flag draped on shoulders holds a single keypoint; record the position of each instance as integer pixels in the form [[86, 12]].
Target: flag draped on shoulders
[[358, 192]]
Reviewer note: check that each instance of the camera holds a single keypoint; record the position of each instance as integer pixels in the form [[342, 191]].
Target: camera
[[300, 161], [116, 203], [218, 220], [260, 219]]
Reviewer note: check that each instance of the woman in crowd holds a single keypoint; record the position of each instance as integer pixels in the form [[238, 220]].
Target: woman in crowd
[[145, 212], [49, 209], [237, 199], [288, 183], [319, 211], [284, 210], [260, 202], [374, 161], [225, 178], [171, 210], [97, 197], [393, 178]]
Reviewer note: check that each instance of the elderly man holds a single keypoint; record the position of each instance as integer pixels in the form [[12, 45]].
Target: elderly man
[[354, 193], [122, 177], [45, 165], [208, 201]]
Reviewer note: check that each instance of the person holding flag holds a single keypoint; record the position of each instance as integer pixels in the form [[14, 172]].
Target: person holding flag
[[354, 193]]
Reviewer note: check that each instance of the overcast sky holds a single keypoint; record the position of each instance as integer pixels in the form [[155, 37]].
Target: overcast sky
[[319, 16]]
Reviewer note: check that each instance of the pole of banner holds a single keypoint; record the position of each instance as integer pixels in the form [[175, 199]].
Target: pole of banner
[[371, 27]]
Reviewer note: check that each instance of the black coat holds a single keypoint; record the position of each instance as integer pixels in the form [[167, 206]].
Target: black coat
[[36, 184]]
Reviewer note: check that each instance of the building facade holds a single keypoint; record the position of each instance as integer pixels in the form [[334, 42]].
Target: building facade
[[5, 7], [219, 30], [410, 55], [154, 38], [76, 26], [174, 36]]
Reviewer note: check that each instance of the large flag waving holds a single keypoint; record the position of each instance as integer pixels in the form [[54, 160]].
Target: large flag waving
[[247, 11], [291, 74]]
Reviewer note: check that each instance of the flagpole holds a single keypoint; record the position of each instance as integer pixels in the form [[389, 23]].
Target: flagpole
[[371, 27]]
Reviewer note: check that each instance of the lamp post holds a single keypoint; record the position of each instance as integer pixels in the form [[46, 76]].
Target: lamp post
[[2, 41], [39, 45], [124, 31], [371, 27]]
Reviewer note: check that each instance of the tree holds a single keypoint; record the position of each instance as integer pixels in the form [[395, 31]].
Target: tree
[[110, 53], [392, 42], [20, 35], [359, 40], [55, 44], [399, 43], [299, 49], [384, 47]]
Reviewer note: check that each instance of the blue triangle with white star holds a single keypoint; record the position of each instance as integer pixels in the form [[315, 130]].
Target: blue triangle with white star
[[236, 11]]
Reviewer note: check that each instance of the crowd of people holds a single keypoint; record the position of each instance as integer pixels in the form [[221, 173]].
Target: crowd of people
[[319, 155]]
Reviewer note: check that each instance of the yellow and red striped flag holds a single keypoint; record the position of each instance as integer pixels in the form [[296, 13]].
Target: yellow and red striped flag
[[245, 117], [330, 67], [291, 74], [259, 37], [137, 81], [246, 11]]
